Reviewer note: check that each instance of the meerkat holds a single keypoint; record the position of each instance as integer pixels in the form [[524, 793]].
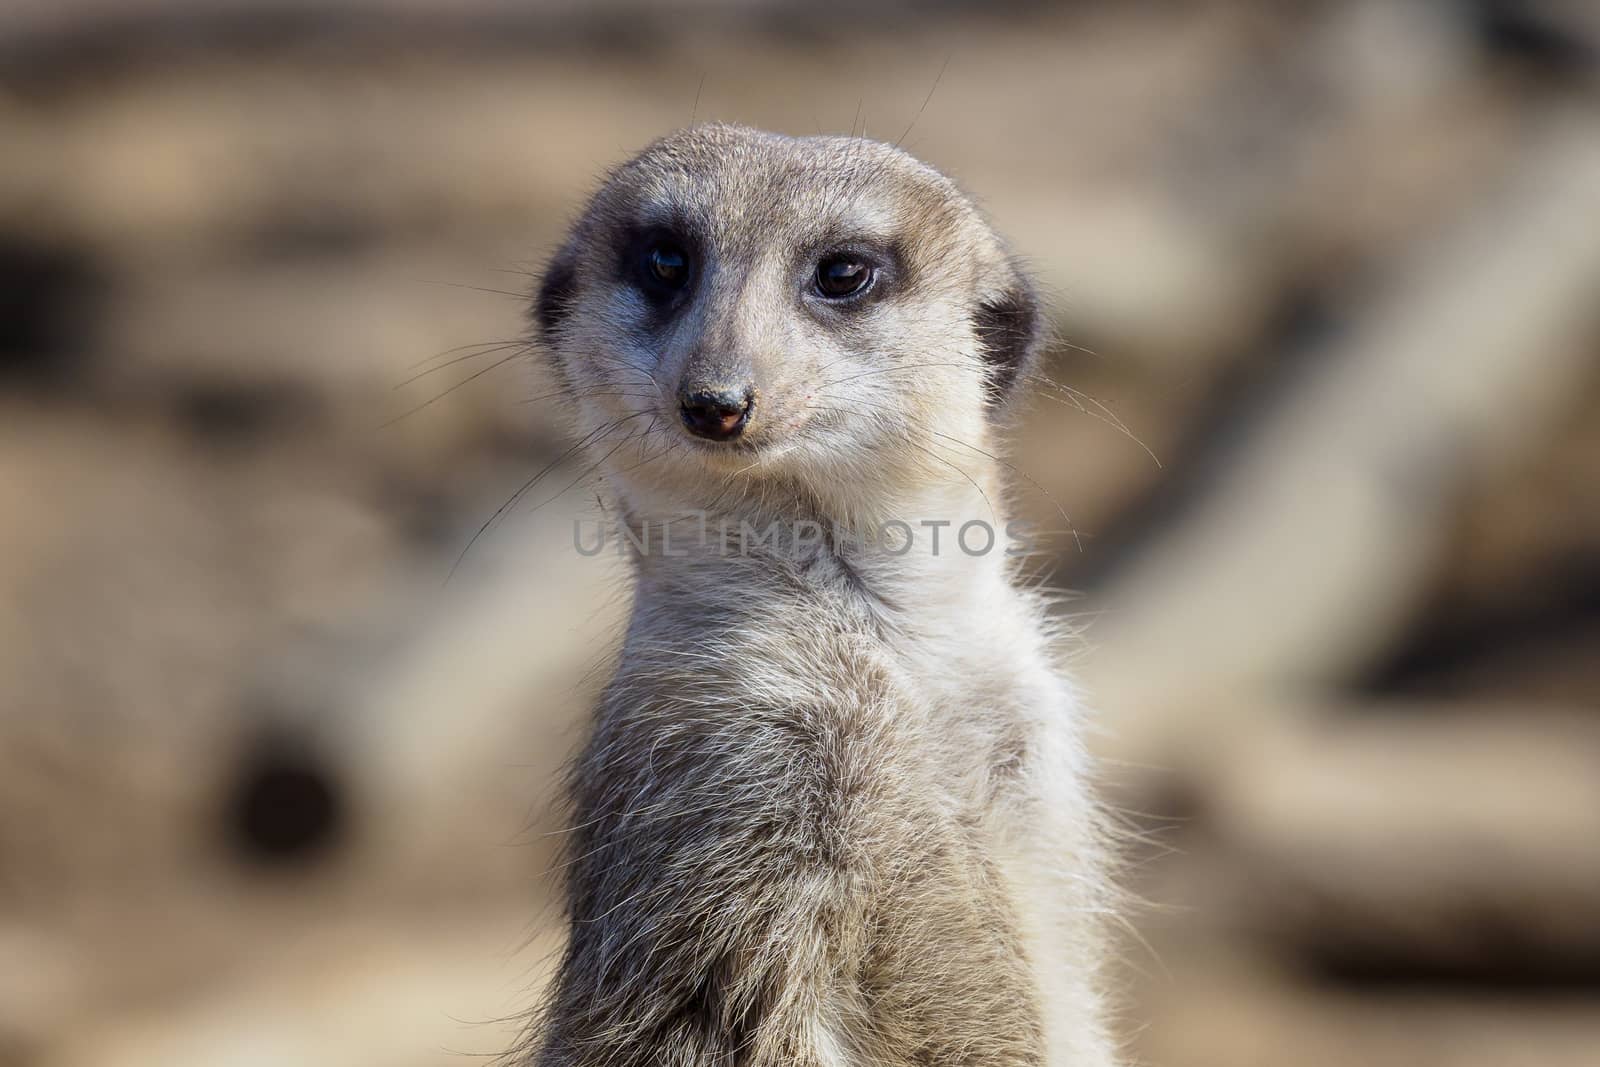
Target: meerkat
[[834, 807]]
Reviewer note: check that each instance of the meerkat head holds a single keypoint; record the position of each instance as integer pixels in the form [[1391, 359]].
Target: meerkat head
[[743, 308]]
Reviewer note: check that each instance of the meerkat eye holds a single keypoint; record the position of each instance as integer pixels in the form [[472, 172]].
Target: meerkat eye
[[666, 266], [843, 275]]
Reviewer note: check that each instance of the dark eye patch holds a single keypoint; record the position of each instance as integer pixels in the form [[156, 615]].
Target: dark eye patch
[[662, 262]]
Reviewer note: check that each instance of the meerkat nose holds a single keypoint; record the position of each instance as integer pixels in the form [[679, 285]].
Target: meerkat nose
[[717, 415]]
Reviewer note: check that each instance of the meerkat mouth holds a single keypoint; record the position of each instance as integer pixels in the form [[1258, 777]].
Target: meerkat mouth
[[740, 451], [763, 442]]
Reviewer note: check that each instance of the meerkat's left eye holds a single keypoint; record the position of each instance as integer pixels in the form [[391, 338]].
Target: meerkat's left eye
[[666, 265], [843, 275]]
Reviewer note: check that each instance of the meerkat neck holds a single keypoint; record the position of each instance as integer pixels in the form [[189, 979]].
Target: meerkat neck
[[907, 548]]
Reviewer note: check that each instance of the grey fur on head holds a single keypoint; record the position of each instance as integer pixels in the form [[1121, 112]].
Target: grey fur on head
[[833, 809]]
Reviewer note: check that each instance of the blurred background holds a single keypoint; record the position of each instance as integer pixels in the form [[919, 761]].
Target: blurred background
[[1326, 281]]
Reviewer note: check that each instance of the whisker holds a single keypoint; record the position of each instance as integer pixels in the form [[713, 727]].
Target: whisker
[[937, 458], [434, 400], [1071, 528], [694, 111], [478, 288], [484, 351], [582, 442], [586, 393], [897, 368], [1074, 398], [463, 348], [639, 372], [596, 465], [1076, 539], [898, 141], [672, 443]]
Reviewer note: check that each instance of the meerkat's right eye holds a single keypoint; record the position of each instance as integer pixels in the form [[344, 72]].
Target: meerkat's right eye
[[666, 266], [844, 275]]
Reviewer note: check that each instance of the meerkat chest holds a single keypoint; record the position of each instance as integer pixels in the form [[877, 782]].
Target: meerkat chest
[[983, 646]]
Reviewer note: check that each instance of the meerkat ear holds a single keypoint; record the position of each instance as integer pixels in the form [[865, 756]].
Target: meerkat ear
[[1009, 327], [557, 288]]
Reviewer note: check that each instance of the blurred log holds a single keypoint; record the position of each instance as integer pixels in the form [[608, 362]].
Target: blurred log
[[1215, 1009], [1415, 844], [1310, 551], [1513, 609]]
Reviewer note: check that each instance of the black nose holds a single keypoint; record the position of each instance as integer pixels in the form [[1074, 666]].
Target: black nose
[[717, 415]]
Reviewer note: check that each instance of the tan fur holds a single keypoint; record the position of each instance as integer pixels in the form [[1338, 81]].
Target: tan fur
[[833, 809]]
